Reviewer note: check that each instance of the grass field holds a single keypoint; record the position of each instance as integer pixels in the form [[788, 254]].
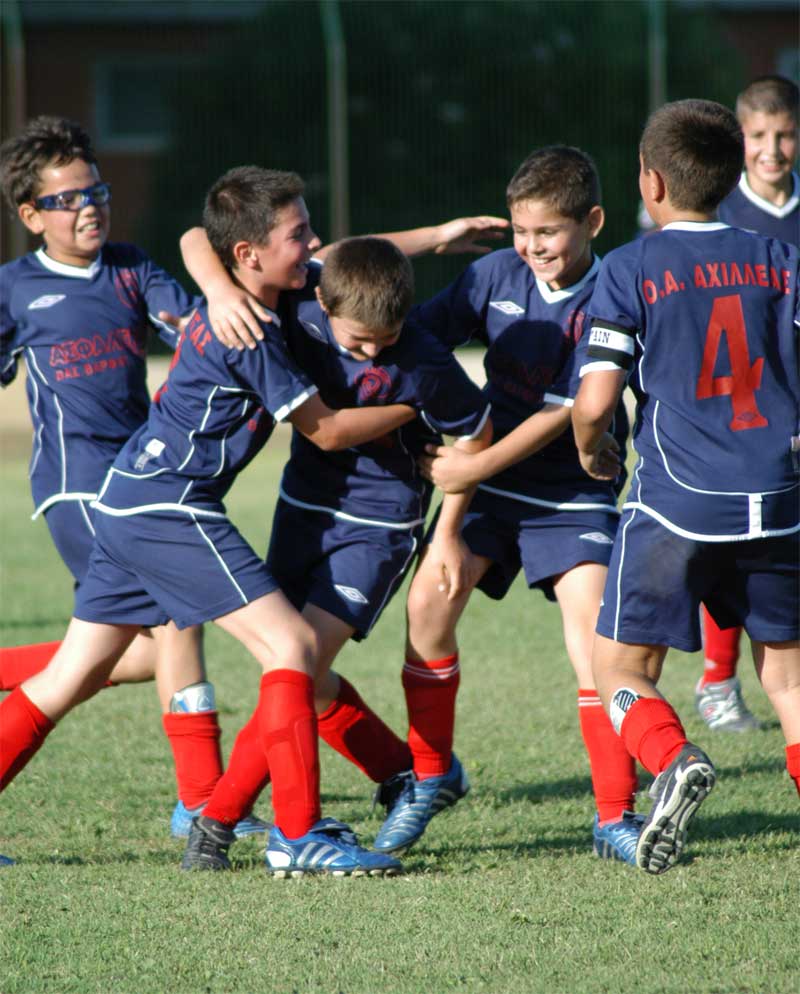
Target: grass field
[[502, 895]]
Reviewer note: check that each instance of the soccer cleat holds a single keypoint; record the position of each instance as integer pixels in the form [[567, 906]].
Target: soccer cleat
[[181, 822], [722, 707], [328, 847], [618, 839], [410, 804], [207, 848], [6, 861], [677, 792]]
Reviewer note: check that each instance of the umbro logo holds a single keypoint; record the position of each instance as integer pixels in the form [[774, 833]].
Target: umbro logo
[[312, 329], [46, 301], [350, 593], [506, 306], [598, 537]]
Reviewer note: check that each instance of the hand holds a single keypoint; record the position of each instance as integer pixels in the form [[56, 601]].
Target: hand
[[235, 316], [180, 324], [457, 567], [603, 463], [450, 469], [464, 233]]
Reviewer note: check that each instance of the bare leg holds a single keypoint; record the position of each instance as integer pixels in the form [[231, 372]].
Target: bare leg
[[778, 668]]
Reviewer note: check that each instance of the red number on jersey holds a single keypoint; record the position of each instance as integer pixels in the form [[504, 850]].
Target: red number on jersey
[[727, 319]]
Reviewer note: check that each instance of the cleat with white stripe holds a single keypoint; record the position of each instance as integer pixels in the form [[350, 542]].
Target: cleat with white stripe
[[329, 847]]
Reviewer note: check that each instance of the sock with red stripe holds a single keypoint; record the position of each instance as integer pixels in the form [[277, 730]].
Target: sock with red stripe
[[20, 662], [793, 763], [721, 650], [612, 766], [358, 734], [653, 733], [194, 739], [246, 775], [430, 687], [23, 729], [288, 727]]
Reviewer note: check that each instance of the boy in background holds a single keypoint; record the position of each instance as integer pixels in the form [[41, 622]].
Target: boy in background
[[714, 419], [78, 310], [165, 492], [766, 201], [534, 509]]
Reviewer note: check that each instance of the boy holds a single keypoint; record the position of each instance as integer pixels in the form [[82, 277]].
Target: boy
[[348, 524], [767, 201], [703, 317], [534, 508], [165, 491], [78, 309]]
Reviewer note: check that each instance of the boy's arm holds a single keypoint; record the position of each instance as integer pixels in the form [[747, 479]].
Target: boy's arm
[[454, 469], [592, 413], [333, 430], [462, 234]]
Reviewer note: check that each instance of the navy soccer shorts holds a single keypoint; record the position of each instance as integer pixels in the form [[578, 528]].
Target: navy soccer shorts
[[346, 567], [71, 524], [657, 580]]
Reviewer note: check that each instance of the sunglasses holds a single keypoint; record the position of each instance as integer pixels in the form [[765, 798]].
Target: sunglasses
[[74, 200]]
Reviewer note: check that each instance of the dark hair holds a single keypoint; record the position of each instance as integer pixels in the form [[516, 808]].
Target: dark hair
[[562, 176], [770, 95], [698, 148], [44, 141], [367, 280], [243, 206]]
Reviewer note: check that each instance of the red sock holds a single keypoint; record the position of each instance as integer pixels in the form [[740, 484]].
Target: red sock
[[23, 728], [288, 726], [793, 763], [431, 687], [19, 662], [358, 734], [653, 733], [612, 766], [721, 649], [246, 775], [194, 739]]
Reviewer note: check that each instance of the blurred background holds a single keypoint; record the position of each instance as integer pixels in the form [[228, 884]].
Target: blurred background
[[397, 113]]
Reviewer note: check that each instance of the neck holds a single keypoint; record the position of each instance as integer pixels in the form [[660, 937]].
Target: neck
[[776, 193], [249, 282]]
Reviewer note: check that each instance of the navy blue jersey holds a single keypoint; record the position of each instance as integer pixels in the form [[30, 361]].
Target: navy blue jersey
[[530, 332], [83, 334], [378, 481], [744, 209], [215, 411], [704, 317]]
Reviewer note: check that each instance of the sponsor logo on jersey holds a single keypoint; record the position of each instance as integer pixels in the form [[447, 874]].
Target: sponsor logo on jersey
[[598, 537], [506, 307], [46, 301], [350, 593], [373, 384]]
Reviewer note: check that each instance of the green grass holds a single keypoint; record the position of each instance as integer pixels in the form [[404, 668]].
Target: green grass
[[502, 895]]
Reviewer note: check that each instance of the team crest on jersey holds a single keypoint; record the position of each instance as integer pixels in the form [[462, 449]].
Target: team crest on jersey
[[506, 307], [313, 330], [373, 384], [46, 301], [350, 593], [597, 537], [126, 284]]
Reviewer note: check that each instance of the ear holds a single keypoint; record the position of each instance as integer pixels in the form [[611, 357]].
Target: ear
[[31, 218], [656, 186], [596, 218], [320, 301], [245, 255]]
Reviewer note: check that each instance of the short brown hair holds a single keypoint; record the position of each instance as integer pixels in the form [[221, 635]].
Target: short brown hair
[[698, 148], [243, 206], [368, 280], [43, 141], [770, 95], [564, 177]]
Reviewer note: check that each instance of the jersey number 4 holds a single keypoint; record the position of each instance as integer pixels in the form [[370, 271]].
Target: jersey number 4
[[727, 318]]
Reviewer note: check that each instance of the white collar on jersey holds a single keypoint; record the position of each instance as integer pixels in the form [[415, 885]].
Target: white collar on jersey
[[554, 296], [694, 226], [766, 205], [78, 272]]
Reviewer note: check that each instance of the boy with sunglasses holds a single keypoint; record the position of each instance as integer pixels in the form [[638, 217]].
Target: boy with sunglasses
[[78, 310]]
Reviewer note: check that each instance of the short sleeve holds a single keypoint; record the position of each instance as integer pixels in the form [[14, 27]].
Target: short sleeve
[[456, 314], [271, 372], [163, 293], [9, 352], [615, 317]]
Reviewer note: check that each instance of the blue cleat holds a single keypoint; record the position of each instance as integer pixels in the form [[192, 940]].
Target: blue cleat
[[677, 792], [329, 847], [181, 823], [618, 839], [410, 804], [6, 861]]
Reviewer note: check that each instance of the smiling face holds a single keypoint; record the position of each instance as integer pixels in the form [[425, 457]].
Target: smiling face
[[770, 150], [558, 249], [71, 237], [283, 259]]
